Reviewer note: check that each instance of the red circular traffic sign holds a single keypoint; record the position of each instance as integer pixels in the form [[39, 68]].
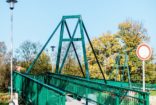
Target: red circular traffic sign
[[144, 51]]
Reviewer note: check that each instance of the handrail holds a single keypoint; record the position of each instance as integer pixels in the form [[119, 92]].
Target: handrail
[[40, 83], [142, 95], [102, 84]]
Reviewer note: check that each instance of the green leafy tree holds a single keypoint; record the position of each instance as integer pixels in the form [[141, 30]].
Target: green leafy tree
[[42, 64], [106, 48], [131, 34]]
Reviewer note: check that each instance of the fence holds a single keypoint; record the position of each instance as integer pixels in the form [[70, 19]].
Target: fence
[[35, 92]]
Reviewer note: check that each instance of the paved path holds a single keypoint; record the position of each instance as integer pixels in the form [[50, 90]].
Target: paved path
[[152, 100], [71, 101]]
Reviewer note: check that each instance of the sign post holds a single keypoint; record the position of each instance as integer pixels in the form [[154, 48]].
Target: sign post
[[143, 75], [144, 52]]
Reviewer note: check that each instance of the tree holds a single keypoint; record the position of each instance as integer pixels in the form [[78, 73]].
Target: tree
[[2, 53], [4, 68], [42, 64], [124, 41], [131, 34], [106, 48], [2, 49], [27, 52], [71, 66]]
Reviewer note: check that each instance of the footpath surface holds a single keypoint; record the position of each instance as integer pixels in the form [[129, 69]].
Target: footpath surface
[[152, 100], [71, 101]]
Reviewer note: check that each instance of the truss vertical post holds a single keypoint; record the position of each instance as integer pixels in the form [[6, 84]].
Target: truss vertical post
[[60, 47], [84, 49], [128, 70], [117, 66]]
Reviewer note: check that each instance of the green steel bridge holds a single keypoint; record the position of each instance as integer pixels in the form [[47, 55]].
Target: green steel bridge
[[52, 88]]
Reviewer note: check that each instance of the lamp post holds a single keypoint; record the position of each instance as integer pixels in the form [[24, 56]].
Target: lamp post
[[52, 49], [11, 2]]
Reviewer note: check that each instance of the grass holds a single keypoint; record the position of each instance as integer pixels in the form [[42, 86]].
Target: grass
[[3, 103], [152, 93], [4, 98]]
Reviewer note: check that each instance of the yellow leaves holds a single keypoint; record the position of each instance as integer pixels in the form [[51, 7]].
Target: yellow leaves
[[4, 97], [106, 46], [125, 25], [133, 68], [94, 71], [111, 61]]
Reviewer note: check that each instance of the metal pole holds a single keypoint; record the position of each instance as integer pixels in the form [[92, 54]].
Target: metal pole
[[52, 50], [11, 58], [143, 68], [52, 64], [12, 2]]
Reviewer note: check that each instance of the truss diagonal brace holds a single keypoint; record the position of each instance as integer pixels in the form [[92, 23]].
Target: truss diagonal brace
[[94, 52], [32, 64]]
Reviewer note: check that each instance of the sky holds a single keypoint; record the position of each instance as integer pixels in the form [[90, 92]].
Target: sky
[[35, 20]]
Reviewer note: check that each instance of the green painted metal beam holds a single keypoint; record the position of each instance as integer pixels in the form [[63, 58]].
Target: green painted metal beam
[[74, 85], [84, 49], [36, 92], [60, 47], [72, 17], [39, 83], [74, 39], [100, 68]]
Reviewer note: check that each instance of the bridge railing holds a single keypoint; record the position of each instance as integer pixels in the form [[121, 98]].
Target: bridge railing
[[97, 93], [35, 92], [50, 88], [105, 94]]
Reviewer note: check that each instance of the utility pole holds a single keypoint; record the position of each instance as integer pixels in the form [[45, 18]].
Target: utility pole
[[11, 2]]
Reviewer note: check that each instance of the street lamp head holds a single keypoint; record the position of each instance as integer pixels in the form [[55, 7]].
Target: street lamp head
[[11, 2], [52, 47]]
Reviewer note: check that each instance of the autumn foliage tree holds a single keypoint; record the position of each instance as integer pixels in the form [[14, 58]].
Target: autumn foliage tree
[[106, 48], [129, 35]]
